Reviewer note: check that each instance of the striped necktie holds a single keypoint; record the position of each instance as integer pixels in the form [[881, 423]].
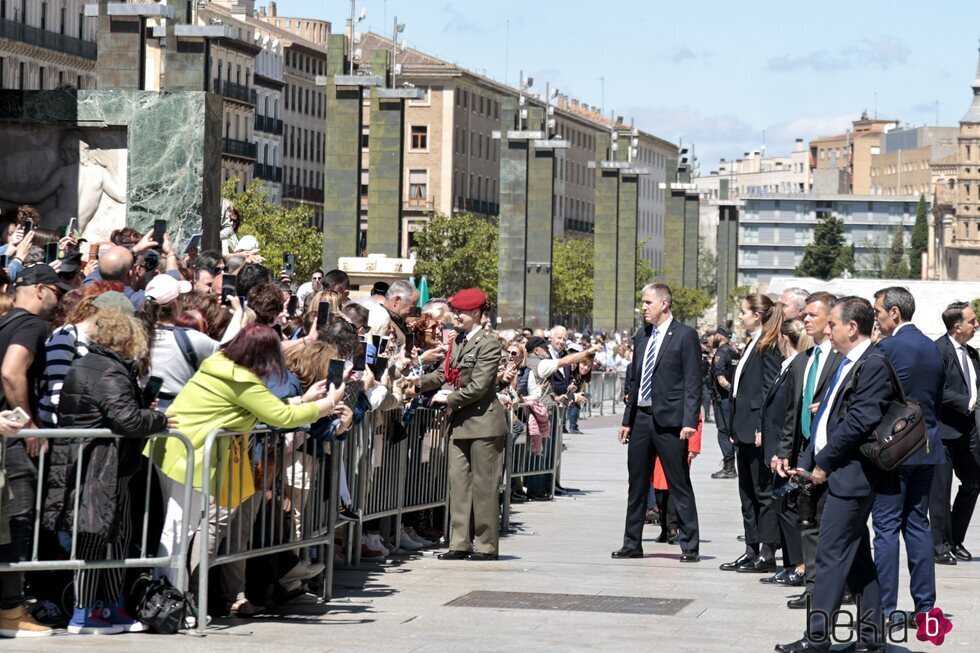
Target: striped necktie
[[646, 382]]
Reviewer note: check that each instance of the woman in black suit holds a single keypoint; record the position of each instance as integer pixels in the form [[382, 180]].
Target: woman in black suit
[[759, 366], [776, 418]]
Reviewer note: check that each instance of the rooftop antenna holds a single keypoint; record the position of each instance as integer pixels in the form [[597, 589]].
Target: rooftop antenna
[[507, 52]]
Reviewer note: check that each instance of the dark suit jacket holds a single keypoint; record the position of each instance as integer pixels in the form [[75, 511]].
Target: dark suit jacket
[[920, 368], [793, 443], [775, 412], [477, 412], [676, 394], [857, 411], [758, 372], [954, 418]]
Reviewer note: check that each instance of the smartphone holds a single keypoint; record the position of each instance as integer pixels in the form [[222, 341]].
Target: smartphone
[[291, 305], [159, 229], [229, 287], [335, 373], [322, 313], [416, 311], [51, 253], [409, 343], [288, 264], [152, 390], [448, 335], [93, 252], [72, 228], [370, 353], [360, 358], [28, 226], [193, 244], [379, 366], [3, 260], [18, 415], [383, 345]]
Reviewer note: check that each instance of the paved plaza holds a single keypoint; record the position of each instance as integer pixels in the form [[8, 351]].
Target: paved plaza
[[559, 548]]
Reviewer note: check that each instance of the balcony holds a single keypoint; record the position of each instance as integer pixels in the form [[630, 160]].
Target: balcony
[[268, 125], [240, 149], [302, 194], [236, 92], [477, 206], [269, 173], [43, 38], [424, 204]]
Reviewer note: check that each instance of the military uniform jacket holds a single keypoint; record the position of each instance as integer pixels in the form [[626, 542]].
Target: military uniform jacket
[[476, 411]]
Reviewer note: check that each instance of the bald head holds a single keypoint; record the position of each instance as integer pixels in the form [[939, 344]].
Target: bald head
[[115, 264]]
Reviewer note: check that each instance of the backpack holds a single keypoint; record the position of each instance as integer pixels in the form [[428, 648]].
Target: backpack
[[159, 605], [902, 430]]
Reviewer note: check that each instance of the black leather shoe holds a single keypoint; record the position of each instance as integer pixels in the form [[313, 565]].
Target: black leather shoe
[[960, 553], [453, 555], [736, 563], [627, 552], [946, 559], [740, 538], [798, 603], [559, 486], [793, 579], [667, 538], [757, 565], [481, 557], [518, 497], [775, 579], [799, 646], [691, 556]]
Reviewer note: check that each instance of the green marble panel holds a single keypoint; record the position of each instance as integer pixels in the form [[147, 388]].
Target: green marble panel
[[512, 248], [673, 270], [626, 253], [385, 166], [606, 238], [540, 228], [727, 254]]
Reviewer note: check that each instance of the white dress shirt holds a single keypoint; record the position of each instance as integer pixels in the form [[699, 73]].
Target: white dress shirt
[[825, 347], [650, 357], [968, 373], [820, 437], [741, 361]]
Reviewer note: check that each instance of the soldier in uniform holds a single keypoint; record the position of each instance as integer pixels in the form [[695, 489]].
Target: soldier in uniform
[[477, 430]]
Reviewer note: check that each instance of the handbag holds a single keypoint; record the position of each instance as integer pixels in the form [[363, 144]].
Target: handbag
[[159, 605], [902, 430]]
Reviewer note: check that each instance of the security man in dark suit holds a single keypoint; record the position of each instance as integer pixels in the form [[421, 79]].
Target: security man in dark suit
[[902, 502], [958, 427], [849, 411], [477, 429], [723, 364], [811, 374], [662, 413]]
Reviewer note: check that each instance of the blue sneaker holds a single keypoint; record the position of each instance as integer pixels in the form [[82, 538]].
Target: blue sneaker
[[117, 615], [91, 621]]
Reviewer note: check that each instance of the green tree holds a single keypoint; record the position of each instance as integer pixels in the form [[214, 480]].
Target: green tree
[[690, 303], [572, 276], [733, 302], [896, 267], [844, 261], [279, 230], [823, 257], [456, 252], [920, 239], [707, 269]]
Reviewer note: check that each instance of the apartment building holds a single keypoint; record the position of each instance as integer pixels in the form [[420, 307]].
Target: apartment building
[[842, 163], [757, 174], [904, 165], [46, 44]]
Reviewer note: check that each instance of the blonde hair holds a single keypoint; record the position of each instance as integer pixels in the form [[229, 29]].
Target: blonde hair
[[310, 362], [120, 333]]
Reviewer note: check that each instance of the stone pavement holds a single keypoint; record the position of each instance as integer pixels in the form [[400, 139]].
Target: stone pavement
[[559, 547]]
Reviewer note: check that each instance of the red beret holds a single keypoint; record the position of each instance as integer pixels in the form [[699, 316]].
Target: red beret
[[468, 300]]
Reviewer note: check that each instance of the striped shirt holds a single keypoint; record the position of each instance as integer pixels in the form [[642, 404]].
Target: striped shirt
[[65, 345]]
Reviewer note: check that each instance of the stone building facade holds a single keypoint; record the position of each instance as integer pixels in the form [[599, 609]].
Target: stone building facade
[[46, 44]]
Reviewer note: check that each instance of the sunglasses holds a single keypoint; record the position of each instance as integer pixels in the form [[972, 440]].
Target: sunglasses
[[513, 354]]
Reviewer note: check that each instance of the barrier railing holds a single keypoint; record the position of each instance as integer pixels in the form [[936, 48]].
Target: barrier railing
[[522, 458], [606, 388], [271, 492], [79, 442]]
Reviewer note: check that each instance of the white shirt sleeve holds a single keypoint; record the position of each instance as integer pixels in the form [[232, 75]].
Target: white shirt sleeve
[[546, 368]]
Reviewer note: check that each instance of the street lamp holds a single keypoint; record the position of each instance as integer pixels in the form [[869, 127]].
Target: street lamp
[[397, 28], [353, 23]]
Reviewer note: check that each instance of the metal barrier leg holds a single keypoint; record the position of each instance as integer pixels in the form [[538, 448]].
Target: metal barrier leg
[[333, 502], [508, 458]]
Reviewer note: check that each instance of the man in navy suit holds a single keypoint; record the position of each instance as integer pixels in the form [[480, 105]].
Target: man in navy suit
[[849, 411], [958, 427], [902, 502], [661, 414]]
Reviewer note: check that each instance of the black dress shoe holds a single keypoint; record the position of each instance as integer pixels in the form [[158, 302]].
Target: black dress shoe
[[453, 555], [559, 486], [740, 538], [798, 603], [560, 492], [736, 563], [775, 579], [667, 538], [628, 552], [757, 565], [946, 559], [794, 579], [960, 552], [799, 646], [691, 556], [481, 557]]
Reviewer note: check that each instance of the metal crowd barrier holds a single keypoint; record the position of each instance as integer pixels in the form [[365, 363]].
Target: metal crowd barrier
[[606, 387], [175, 562], [285, 469], [519, 459]]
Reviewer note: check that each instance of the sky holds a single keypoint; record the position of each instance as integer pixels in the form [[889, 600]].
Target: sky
[[721, 75]]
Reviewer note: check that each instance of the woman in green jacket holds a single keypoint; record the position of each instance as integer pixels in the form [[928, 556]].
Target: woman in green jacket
[[229, 393]]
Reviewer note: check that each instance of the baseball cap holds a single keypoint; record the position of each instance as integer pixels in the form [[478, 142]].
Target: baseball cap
[[40, 274], [116, 301], [534, 342], [247, 244], [70, 264], [163, 289]]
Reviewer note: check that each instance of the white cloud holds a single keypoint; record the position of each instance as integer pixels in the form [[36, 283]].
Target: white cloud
[[882, 51]]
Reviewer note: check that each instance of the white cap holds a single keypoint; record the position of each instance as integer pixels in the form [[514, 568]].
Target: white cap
[[247, 244]]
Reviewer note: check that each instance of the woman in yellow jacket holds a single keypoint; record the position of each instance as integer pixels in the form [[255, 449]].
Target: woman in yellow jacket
[[229, 393]]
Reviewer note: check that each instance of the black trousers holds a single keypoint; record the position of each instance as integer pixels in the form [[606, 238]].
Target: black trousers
[[844, 559], [22, 477], [668, 513], [810, 534], [789, 530], [755, 492], [645, 444], [949, 526]]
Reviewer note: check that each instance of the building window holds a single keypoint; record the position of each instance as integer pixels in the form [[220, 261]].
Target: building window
[[417, 184], [420, 137]]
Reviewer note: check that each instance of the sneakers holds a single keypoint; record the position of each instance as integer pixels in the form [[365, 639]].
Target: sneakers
[[412, 533], [90, 621], [302, 570], [407, 543], [16, 622], [117, 616], [348, 514], [372, 548]]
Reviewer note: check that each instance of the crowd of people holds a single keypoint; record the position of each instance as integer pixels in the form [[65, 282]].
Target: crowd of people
[[128, 336], [797, 403]]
